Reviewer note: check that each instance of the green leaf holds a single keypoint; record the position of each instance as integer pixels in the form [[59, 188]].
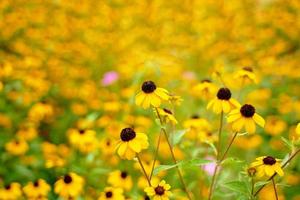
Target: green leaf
[[188, 163], [237, 186], [177, 136], [164, 168], [287, 143]]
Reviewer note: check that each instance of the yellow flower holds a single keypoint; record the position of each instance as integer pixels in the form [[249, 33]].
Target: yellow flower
[[267, 165], [111, 193], [84, 140], [175, 100], [151, 95], [298, 129], [245, 117], [11, 192], [131, 143], [69, 186], [37, 190], [40, 111], [206, 89], [158, 190], [17, 147], [120, 179], [166, 116], [246, 75], [223, 102], [27, 132], [274, 125]]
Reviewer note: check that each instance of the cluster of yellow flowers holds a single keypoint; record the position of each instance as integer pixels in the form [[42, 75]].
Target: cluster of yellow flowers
[[82, 115]]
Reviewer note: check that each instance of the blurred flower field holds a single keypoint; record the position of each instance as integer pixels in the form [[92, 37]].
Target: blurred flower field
[[140, 99]]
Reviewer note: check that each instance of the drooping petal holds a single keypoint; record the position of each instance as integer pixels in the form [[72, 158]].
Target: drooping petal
[[135, 145], [259, 120], [139, 98], [122, 149], [250, 125], [225, 106], [233, 117], [238, 124], [217, 107]]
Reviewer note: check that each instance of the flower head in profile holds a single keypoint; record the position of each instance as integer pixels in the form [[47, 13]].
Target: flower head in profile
[[245, 116], [111, 193], [131, 143], [37, 190], [166, 116], [223, 102], [150, 95], [267, 166], [69, 186], [158, 190], [205, 90]]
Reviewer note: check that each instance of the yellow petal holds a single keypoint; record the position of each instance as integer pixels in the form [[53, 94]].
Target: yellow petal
[[238, 124], [139, 98], [217, 107], [233, 117], [259, 120], [162, 93], [225, 106], [122, 149], [250, 125]]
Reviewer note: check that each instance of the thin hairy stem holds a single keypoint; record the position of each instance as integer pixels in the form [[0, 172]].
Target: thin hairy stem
[[275, 191], [155, 155]]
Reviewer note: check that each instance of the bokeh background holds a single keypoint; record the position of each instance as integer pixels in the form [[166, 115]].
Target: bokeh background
[[68, 64]]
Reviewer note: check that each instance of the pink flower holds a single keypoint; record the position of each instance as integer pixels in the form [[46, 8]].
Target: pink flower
[[109, 78], [210, 167]]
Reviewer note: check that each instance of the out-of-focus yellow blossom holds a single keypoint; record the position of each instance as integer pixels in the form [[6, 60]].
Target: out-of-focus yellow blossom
[[27, 132], [248, 141], [111, 193], [40, 111], [85, 140], [195, 125], [204, 90], [69, 186], [274, 125], [166, 116], [11, 192], [37, 190], [245, 76], [120, 179], [55, 155], [17, 147]]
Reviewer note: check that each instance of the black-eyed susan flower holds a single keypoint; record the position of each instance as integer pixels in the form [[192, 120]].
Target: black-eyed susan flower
[[17, 147], [37, 190], [194, 125], [274, 125], [245, 116], [166, 116], [151, 95], [69, 186], [246, 75], [131, 143], [158, 190], [223, 102], [11, 192], [111, 193], [120, 179], [267, 166]]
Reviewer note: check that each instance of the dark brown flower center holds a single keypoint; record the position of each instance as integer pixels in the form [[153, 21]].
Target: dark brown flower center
[[269, 160], [224, 94], [123, 174], [108, 194], [147, 198], [7, 187], [206, 81], [81, 131], [168, 111], [36, 184], [247, 110], [159, 190], [127, 134], [195, 116], [67, 179], [148, 86], [249, 69]]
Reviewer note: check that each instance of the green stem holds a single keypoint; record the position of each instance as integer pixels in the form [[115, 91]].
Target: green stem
[[144, 171], [275, 191], [156, 155]]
